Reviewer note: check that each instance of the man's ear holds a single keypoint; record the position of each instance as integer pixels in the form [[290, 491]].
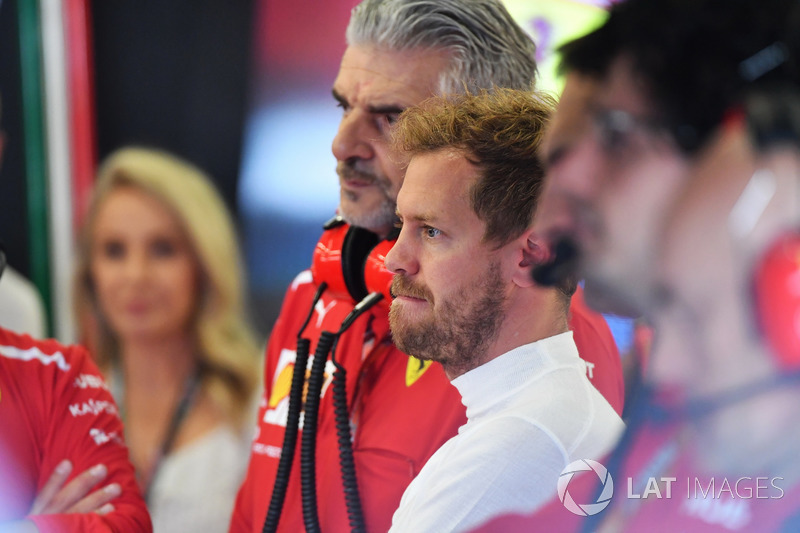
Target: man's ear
[[531, 250]]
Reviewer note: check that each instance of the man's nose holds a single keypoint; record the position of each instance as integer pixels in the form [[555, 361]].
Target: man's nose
[[400, 258], [353, 139]]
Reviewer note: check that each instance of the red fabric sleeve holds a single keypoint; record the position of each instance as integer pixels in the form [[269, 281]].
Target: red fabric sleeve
[[596, 346], [83, 425], [244, 508]]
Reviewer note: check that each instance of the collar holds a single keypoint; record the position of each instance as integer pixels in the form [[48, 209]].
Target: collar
[[485, 388]]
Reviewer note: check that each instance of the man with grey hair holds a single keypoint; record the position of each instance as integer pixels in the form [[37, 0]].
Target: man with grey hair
[[400, 409], [399, 53]]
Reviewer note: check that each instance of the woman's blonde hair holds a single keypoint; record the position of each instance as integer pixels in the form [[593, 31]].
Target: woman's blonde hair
[[227, 351]]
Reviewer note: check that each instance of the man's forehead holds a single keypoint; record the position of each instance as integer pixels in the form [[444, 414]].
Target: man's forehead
[[622, 88], [380, 77], [573, 116], [435, 180]]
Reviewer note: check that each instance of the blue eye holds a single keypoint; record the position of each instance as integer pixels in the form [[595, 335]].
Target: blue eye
[[431, 232]]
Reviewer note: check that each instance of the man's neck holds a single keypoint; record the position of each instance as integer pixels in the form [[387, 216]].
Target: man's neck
[[531, 316]]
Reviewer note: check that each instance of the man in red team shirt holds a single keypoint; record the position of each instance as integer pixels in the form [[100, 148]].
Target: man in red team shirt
[[401, 409], [58, 417], [60, 437]]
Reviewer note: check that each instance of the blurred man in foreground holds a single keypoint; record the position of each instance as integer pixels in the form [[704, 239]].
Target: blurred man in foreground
[[703, 127]]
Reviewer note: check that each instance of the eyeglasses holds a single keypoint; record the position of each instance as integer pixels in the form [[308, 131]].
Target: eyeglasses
[[617, 130]]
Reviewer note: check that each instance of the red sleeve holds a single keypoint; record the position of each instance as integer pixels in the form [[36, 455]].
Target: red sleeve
[[241, 511], [83, 426], [241, 519], [597, 347], [244, 509]]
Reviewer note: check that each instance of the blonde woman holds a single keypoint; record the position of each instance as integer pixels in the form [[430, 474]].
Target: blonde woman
[[159, 296]]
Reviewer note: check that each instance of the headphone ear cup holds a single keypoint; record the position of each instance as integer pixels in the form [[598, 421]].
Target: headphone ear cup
[[358, 243], [377, 276], [777, 293], [339, 259], [326, 264]]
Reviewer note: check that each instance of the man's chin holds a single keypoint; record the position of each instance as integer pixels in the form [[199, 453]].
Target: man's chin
[[409, 338], [377, 220]]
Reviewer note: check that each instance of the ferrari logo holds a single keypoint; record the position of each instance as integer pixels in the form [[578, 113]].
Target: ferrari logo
[[415, 369], [281, 387]]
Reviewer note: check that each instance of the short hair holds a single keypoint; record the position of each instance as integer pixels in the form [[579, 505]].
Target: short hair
[[228, 354], [488, 48], [499, 132], [694, 57]]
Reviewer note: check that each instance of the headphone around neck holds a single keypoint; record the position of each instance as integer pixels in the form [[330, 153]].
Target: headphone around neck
[[350, 260]]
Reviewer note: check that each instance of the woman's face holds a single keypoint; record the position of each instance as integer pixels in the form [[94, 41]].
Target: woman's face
[[143, 270]]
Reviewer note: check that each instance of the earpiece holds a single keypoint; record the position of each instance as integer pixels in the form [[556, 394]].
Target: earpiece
[[350, 260], [774, 118], [561, 267]]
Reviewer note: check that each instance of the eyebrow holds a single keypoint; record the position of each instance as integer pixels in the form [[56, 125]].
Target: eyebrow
[[388, 109], [391, 109], [338, 97], [424, 217], [549, 153]]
